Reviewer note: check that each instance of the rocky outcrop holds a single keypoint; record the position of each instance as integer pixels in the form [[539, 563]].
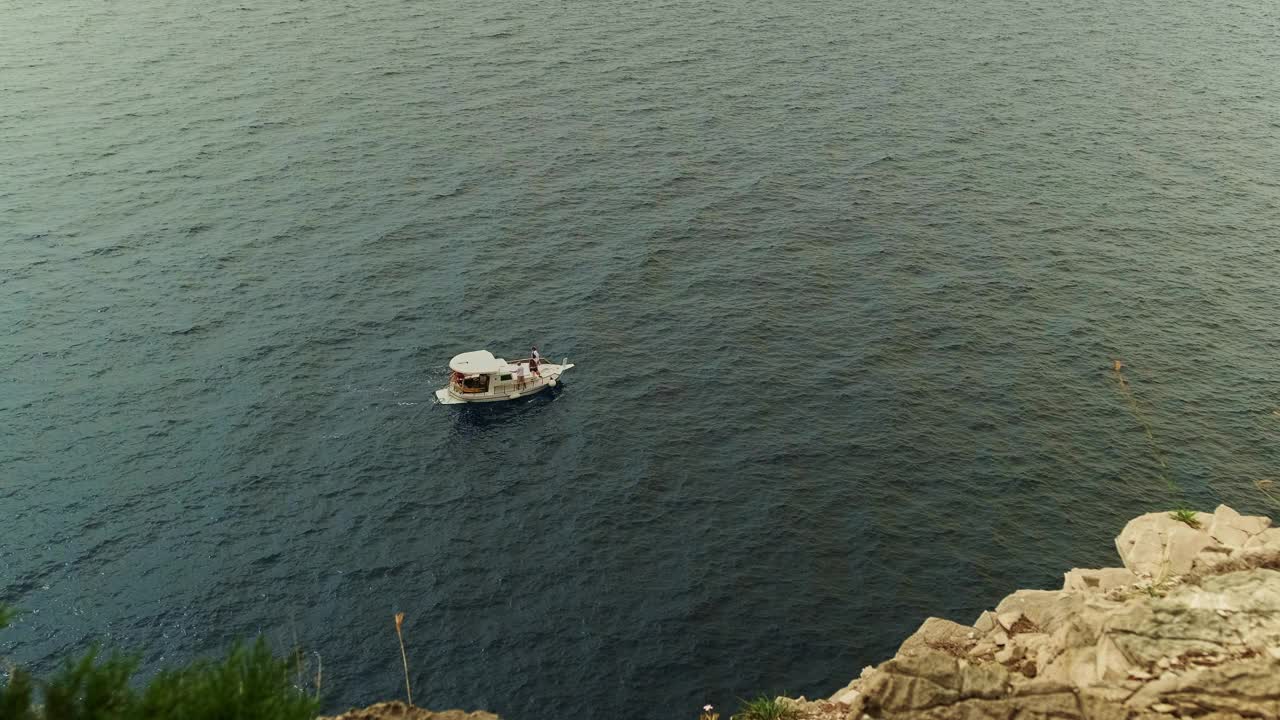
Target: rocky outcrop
[[401, 711], [1189, 627]]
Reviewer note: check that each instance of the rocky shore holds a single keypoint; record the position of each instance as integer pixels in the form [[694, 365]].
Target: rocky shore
[[1189, 627], [400, 711]]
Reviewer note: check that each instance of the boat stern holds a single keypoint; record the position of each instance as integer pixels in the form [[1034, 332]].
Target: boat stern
[[444, 397]]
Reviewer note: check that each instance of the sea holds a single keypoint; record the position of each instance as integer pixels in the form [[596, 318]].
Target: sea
[[845, 283]]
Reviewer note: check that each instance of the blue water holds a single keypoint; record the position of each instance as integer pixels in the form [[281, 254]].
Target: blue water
[[844, 282]]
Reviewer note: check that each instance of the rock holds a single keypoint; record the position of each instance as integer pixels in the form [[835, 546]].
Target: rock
[[1212, 557], [986, 622], [914, 682], [1073, 665], [1183, 544], [854, 686], [1158, 546], [1011, 653], [847, 698], [1008, 619], [1112, 663], [938, 634], [1186, 623], [400, 711], [1098, 709], [1046, 609], [1054, 705], [1225, 517], [1267, 539], [1230, 537], [1087, 653], [1246, 687], [1037, 649], [1102, 580], [985, 647]]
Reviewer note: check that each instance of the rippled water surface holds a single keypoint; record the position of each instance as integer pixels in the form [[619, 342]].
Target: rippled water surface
[[844, 281]]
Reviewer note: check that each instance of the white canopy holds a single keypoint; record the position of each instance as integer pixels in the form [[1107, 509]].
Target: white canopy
[[479, 362]]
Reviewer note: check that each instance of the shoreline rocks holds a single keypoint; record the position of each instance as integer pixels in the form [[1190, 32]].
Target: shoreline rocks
[[397, 710], [1189, 627]]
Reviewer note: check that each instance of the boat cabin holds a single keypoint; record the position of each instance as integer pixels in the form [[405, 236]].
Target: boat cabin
[[480, 377], [479, 373]]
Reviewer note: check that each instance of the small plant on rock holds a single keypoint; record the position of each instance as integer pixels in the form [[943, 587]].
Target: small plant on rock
[[1186, 516], [765, 708]]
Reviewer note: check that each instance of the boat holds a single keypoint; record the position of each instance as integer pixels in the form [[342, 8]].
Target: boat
[[478, 376]]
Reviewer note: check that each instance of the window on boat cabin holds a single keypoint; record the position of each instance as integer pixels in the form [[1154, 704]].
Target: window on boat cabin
[[480, 383], [504, 377]]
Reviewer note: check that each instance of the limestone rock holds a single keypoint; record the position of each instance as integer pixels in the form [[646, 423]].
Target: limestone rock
[[1230, 537], [1081, 580], [1037, 648], [1181, 548], [1269, 538], [400, 711], [1156, 545], [854, 686], [1250, 687], [984, 647], [1044, 610], [847, 697], [1110, 645], [1224, 517], [939, 634], [1008, 619], [986, 622], [1010, 653]]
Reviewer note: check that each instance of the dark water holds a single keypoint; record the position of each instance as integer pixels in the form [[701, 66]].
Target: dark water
[[843, 279]]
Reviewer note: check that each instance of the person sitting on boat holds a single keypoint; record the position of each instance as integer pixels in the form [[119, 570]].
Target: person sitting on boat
[[534, 359]]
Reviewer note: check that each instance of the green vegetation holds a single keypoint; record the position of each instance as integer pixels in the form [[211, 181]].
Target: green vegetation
[[249, 684], [764, 708], [1186, 516]]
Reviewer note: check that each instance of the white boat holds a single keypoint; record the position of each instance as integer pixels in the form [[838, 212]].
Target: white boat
[[480, 377]]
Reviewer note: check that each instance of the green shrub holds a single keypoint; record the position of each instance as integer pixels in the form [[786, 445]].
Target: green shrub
[[88, 690], [764, 708], [1186, 516], [15, 697], [250, 684]]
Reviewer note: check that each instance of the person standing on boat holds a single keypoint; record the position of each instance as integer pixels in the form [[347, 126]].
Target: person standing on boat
[[534, 359]]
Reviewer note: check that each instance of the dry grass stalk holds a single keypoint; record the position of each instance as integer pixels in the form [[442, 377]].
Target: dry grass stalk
[[404, 658]]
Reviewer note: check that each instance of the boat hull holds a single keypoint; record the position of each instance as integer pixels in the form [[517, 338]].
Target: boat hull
[[445, 397]]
